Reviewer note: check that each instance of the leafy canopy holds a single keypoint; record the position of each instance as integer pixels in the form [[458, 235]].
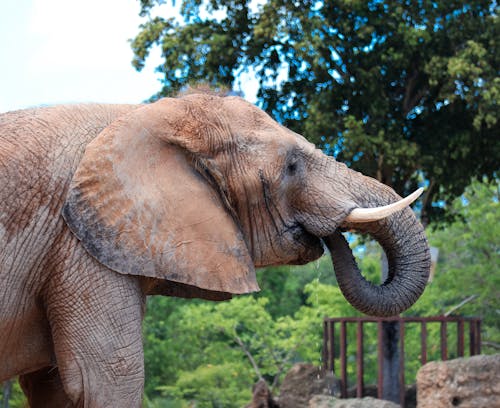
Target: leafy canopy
[[469, 259], [404, 91]]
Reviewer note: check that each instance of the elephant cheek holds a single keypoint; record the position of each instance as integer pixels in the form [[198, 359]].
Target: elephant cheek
[[301, 249]]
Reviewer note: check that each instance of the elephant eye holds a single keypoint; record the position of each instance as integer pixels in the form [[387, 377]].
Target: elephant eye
[[292, 168]]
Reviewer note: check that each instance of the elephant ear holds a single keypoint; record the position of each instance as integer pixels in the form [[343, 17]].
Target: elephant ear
[[139, 207]]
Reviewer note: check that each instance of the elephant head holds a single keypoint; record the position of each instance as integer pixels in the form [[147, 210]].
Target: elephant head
[[200, 189]]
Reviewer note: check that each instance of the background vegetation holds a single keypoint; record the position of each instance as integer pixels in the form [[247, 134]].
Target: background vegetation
[[212, 353], [406, 92]]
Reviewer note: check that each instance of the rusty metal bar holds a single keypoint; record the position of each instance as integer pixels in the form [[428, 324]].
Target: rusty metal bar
[[460, 338], [380, 357], [331, 333], [325, 352], [423, 343], [472, 338], [478, 326], [407, 319], [359, 360], [475, 337], [343, 359], [402, 388], [444, 342]]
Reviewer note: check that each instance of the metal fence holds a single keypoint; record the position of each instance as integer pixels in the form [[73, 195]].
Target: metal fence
[[335, 330]]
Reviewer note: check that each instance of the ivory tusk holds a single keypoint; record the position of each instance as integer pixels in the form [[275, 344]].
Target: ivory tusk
[[377, 213]]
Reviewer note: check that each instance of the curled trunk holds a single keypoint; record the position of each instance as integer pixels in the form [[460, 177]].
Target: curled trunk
[[402, 237]]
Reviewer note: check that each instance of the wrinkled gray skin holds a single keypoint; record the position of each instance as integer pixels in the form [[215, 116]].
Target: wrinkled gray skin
[[183, 198]]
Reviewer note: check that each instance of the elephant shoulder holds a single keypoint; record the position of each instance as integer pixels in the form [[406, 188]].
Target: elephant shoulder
[[40, 149]]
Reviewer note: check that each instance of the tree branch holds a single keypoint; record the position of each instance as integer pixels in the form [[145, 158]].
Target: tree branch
[[491, 344], [249, 355], [412, 96], [425, 201], [463, 302]]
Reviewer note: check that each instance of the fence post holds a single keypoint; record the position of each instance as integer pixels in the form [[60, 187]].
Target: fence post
[[325, 355], [444, 341], [390, 344], [478, 328], [472, 337], [343, 359], [359, 360], [460, 338], [380, 361], [402, 387], [423, 342]]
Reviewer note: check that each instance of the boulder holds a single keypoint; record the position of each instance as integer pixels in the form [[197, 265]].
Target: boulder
[[306, 386], [464, 382], [262, 396], [322, 401], [302, 382]]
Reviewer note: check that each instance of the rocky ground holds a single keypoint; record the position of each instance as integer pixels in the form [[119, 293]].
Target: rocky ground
[[465, 382]]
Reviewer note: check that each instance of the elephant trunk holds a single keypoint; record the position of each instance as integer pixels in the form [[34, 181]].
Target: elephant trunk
[[402, 237]]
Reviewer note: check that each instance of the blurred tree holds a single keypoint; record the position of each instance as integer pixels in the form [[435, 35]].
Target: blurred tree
[[469, 260], [405, 91], [189, 344], [11, 395], [284, 285]]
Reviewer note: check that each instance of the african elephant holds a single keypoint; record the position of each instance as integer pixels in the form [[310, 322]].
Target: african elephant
[[102, 205]]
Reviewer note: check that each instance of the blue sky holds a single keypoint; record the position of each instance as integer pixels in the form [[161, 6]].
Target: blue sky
[[66, 51]]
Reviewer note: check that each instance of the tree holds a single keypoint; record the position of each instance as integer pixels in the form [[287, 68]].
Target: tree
[[406, 92], [284, 286], [190, 345], [469, 259]]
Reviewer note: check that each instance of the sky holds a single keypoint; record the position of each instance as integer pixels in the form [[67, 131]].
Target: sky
[[67, 51]]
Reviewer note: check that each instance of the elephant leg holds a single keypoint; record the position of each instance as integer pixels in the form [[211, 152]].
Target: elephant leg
[[43, 388], [95, 316]]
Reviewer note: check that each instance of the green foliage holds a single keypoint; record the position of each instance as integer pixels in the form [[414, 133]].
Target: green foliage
[[212, 353], [17, 398], [402, 91], [213, 386], [469, 259], [468, 268], [284, 286]]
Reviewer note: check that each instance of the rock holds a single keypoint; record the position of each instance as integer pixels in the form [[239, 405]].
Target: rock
[[262, 397], [302, 382], [322, 401], [464, 382], [305, 386]]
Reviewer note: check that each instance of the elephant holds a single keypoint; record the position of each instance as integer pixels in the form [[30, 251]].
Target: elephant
[[103, 205]]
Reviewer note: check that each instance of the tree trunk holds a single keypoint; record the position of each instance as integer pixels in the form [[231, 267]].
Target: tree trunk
[[7, 390]]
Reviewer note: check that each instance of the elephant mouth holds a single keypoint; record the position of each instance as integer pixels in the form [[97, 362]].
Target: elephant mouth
[[311, 246]]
